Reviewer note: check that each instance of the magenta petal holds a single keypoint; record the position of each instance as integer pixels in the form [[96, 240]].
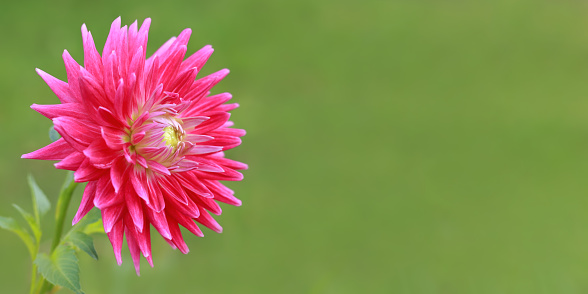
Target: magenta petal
[[157, 167], [209, 103], [105, 195], [60, 88], [112, 137], [216, 121], [57, 150], [78, 134], [177, 238], [87, 202], [116, 239], [87, 172], [134, 207], [171, 190], [134, 249], [159, 221], [208, 221], [139, 182], [187, 222], [118, 173], [198, 59], [110, 216], [73, 74], [156, 201], [74, 110], [92, 59], [100, 155], [71, 162], [204, 149]]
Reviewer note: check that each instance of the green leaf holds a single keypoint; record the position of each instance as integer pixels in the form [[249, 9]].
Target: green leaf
[[94, 228], [91, 217], [10, 224], [53, 134], [40, 202], [84, 243], [90, 224], [31, 221], [61, 268]]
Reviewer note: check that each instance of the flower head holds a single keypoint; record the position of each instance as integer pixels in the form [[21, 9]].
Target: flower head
[[146, 136]]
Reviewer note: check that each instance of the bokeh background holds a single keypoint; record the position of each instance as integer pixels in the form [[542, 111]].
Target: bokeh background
[[394, 146]]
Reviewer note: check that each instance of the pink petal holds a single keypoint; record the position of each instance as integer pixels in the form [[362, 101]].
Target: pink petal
[[139, 182], [78, 134], [69, 109], [112, 137], [100, 155], [134, 249], [57, 150], [92, 59], [134, 207], [209, 222], [110, 216], [60, 88], [157, 167], [116, 239], [173, 189], [118, 173], [87, 202], [73, 73], [159, 221], [87, 172], [156, 201], [177, 238], [216, 121], [105, 195], [198, 59], [187, 222], [203, 149], [209, 103], [71, 162]]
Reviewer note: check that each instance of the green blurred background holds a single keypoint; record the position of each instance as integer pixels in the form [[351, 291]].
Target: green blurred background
[[394, 146]]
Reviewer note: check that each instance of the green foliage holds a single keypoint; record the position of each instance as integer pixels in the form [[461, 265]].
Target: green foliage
[[61, 268], [40, 202], [79, 235], [33, 224], [10, 224], [83, 242]]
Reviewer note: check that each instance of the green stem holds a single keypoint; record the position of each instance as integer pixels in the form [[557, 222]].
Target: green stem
[[60, 212], [62, 204], [33, 279]]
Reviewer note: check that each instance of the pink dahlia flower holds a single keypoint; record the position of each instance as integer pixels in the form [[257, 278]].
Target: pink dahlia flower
[[146, 136]]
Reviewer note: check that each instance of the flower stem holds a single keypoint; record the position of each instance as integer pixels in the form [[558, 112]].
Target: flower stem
[[69, 185], [62, 204]]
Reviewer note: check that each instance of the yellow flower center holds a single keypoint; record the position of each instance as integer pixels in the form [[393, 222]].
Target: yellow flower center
[[171, 137]]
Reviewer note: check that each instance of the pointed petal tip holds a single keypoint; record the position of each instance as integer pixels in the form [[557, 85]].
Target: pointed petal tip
[[208, 48]]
